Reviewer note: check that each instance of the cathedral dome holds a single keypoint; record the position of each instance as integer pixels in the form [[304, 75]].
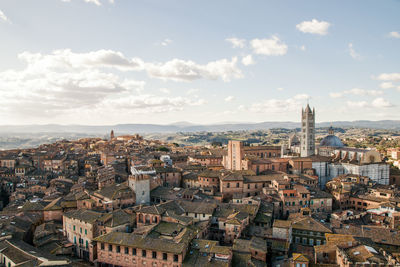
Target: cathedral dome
[[331, 140]]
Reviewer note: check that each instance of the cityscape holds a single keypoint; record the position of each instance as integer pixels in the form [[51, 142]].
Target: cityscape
[[199, 133]]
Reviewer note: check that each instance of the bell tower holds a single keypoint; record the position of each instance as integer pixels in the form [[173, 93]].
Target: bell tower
[[307, 132]]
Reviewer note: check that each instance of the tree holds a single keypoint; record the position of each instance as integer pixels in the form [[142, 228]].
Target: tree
[[163, 148]]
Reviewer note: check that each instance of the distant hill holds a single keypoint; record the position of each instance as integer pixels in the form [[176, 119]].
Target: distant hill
[[188, 127]]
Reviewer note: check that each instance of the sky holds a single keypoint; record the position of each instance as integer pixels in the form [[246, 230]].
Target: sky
[[104, 62]]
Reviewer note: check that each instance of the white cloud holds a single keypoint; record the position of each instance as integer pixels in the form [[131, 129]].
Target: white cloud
[[229, 98], [376, 103], [240, 43], [302, 48], [314, 27], [280, 89], [353, 53], [389, 77], [176, 69], [151, 103], [270, 47], [336, 95], [357, 104], [166, 42], [68, 59], [381, 103], [357, 92], [394, 35], [3, 17], [386, 85], [187, 70], [96, 2], [165, 90], [279, 105], [248, 60], [192, 91], [64, 83]]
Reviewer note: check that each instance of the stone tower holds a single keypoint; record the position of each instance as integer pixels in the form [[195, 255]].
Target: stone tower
[[140, 184], [307, 132], [112, 134]]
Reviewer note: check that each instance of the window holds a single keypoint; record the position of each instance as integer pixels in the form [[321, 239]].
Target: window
[[297, 264], [134, 251], [80, 230], [228, 185], [85, 231], [154, 255], [87, 244], [102, 246], [126, 250], [74, 227], [176, 258], [118, 249], [165, 256], [237, 185], [144, 253], [109, 247]]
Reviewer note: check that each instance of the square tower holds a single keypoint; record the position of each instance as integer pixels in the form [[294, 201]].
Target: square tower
[[235, 155], [307, 145], [140, 184]]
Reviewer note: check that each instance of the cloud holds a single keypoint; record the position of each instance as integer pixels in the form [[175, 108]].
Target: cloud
[[394, 35], [269, 47], [353, 53], [376, 103], [302, 48], [151, 103], [357, 92], [64, 83], [279, 105], [386, 85], [165, 90], [236, 43], [166, 42], [192, 91], [96, 2], [176, 69], [248, 60], [68, 59], [187, 70], [3, 17], [389, 77], [280, 89], [357, 104], [381, 103], [314, 27], [229, 98]]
